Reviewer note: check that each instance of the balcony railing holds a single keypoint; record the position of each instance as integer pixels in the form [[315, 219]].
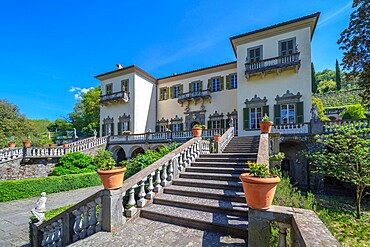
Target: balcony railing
[[277, 64], [291, 129], [112, 98], [194, 95]]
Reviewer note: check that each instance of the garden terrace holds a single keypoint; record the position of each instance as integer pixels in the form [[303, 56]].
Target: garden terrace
[[340, 99]]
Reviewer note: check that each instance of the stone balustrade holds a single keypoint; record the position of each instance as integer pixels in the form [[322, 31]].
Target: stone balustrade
[[332, 126], [107, 210], [7, 154], [291, 129], [225, 139]]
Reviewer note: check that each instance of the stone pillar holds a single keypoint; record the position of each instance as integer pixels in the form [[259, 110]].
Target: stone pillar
[[259, 232], [263, 150], [112, 214], [316, 126]]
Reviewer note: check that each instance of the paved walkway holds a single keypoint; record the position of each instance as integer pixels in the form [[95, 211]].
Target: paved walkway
[[15, 215]]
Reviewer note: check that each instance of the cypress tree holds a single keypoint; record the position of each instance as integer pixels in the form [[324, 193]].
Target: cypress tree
[[313, 79], [338, 80]]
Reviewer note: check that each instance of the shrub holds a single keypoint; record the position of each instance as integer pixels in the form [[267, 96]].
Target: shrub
[[73, 163], [104, 160], [356, 111], [20, 189]]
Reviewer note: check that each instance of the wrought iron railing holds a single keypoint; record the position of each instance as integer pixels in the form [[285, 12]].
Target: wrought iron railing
[[114, 97]]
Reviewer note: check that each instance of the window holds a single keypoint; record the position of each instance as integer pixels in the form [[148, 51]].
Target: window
[[255, 116], [254, 54], [176, 127], [216, 124], [176, 91], [216, 84], [162, 128], [195, 86], [109, 88], [287, 113], [124, 85], [287, 47], [163, 93], [233, 81]]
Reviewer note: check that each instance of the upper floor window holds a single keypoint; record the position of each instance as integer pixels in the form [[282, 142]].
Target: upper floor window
[[124, 85], [176, 127], [176, 91], [109, 88], [254, 54], [195, 86], [216, 84], [287, 47], [233, 81], [163, 93]]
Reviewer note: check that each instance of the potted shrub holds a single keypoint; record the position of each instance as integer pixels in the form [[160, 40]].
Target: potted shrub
[[126, 132], [110, 175], [51, 145], [197, 130], [266, 124], [26, 143], [11, 144], [217, 137], [275, 159], [259, 186], [65, 144]]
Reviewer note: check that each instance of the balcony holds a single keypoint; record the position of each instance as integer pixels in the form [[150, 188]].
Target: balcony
[[194, 96], [271, 65], [115, 98]]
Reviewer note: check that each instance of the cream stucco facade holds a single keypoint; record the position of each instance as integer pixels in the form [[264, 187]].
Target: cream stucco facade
[[271, 75]]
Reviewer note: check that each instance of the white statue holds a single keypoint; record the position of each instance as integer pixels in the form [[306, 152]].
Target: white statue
[[40, 207], [95, 133], [231, 122], [314, 112]]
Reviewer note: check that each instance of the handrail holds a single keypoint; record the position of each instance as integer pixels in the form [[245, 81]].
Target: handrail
[[203, 93], [125, 95], [225, 139], [332, 126], [292, 128], [8, 154], [272, 62]]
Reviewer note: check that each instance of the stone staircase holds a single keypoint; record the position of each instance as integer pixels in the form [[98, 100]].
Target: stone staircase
[[208, 195], [242, 144]]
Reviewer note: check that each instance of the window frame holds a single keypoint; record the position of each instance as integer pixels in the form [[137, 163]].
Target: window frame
[[257, 118], [249, 60], [123, 86], [216, 82], [176, 89], [287, 113], [280, 44], [233, 83], [163, 93], [109, 85]]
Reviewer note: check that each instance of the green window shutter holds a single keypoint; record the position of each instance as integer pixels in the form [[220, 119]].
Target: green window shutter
[[300, 112], [171, 127], [103, 130], [160, 94], [209, 86], [190, 87], [181, 127], [157, 128], [265, 110], [223, 123], [167, 92], [119, 125], [112, 129], [171, 92], [277, 114], [245, 118], [209, 124], [128, 125], [221, 83], [200, 85], [181, 89], [228, 82]]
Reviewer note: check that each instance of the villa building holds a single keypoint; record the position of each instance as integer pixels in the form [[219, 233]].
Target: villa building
[[271, 75]]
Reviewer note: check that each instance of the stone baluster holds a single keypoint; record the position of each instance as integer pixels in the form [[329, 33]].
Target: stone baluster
[[164, 182], [158, 187], [85, 222], [98, 226], [170, 169], [181, 161], [93, 220], [150, 194], [282, 234], [77, 226], [142, 201], [57, 237], [49, 239], [44, 236], [123, 208], [131, 202]]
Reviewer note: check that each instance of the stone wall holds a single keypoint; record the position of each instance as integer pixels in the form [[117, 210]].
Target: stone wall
[[35, 167]]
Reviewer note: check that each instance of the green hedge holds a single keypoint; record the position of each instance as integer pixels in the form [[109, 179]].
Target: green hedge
[[20, 189]]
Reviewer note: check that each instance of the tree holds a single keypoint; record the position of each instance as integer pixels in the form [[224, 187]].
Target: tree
[[86, 115], [320, 108], [313, 79], [355, 42], [326, 86], [60, 126], [338, 79], [325, 75], [356, 111], [345, 155]]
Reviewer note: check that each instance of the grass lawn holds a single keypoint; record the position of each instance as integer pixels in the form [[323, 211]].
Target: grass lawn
[[338, 214]]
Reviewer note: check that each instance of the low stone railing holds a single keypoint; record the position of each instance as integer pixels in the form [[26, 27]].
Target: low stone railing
[[105, 210], [332, 126], [7, 154], [225, 139], [306, 229], [291, 129]]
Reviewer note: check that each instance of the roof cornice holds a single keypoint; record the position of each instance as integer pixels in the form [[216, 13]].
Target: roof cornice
[[125, 71]]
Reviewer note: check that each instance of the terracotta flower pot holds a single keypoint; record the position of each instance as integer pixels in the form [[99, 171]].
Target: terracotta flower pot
[[51, 145], [26, 144], [196, 132], [112, 179], [65, 145], [217, 137], [259, 192], [11, 144], [265, 126]]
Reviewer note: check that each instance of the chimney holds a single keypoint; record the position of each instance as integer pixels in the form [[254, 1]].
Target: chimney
[[119, 66]]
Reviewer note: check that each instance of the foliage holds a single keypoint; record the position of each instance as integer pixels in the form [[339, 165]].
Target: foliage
[[144, 160], [339, 99], [13, 124], [73, 163], [41, 125], [277, 157], [258, 170], [325, 75], [86, 115], [265, 118], [60, 126], [313, 79], [320, 108], [354, 41], [104, 160], [197, 126], [326, 86], [345, 155], [26, 188], [338, 80], [354, 112]]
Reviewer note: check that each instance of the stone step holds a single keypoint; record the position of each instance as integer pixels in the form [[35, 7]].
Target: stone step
[[230, 170], [203, 204], [226, 185], [212, 193], [227, 155], [220, 164], [226, 159], [229, 224], [211, 176]]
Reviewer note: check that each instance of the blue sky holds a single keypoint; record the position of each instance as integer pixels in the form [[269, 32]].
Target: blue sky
[[51, 50]]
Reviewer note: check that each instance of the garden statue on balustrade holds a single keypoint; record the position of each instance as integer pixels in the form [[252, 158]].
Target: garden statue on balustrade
[[40, 208]]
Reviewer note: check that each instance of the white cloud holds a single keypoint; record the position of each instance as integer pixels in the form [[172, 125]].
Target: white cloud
[[79, 91], [326, 20], [74, 89]]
